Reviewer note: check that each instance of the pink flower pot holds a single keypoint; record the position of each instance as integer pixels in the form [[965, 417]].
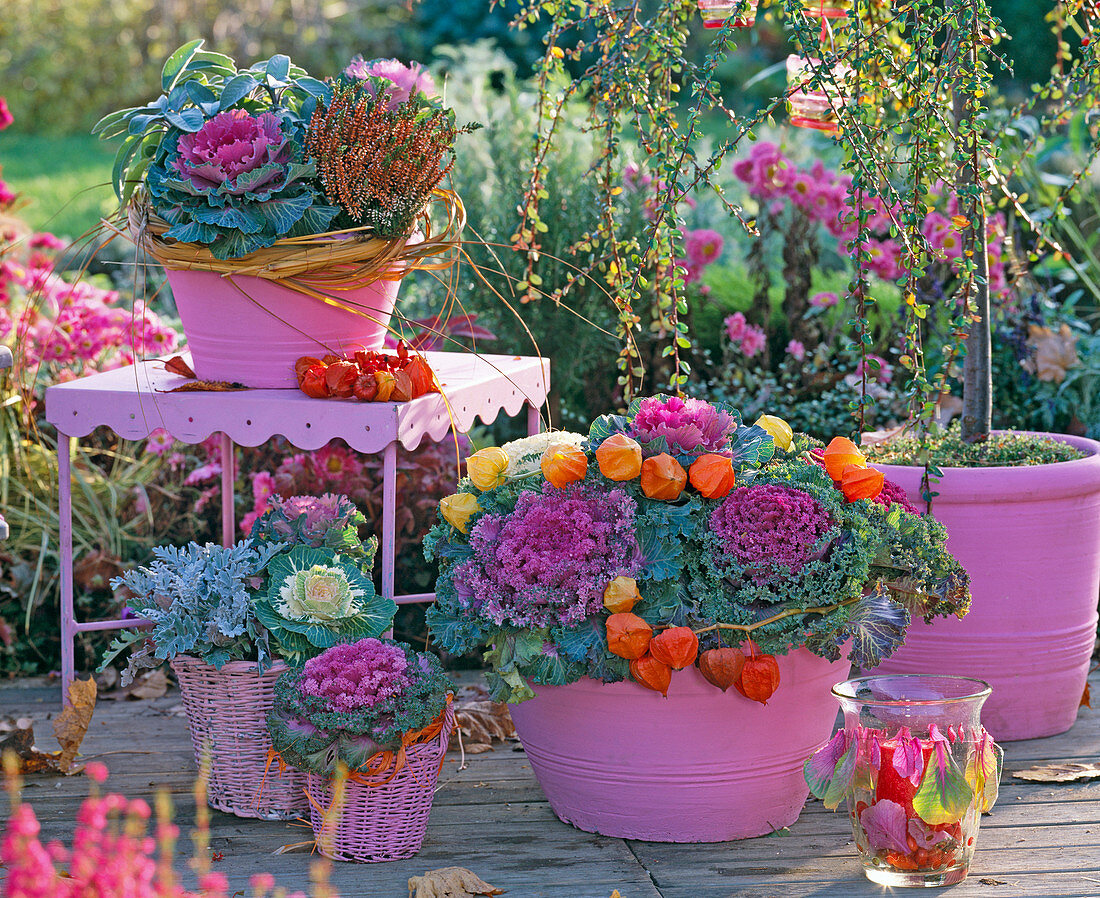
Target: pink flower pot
[[1030, 538], [250, 330], [699, 766]]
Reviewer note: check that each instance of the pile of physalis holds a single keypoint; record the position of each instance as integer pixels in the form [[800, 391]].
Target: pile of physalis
[[368, 376], [677, 535]]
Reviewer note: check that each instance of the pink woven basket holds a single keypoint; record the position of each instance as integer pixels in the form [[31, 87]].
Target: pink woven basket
[[381, 821], [227, 714]]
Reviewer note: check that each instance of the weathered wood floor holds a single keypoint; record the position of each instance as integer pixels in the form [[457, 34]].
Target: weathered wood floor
[[492, 818]]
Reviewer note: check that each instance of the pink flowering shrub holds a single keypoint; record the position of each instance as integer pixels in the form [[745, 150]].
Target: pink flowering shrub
[[117, 851], [770, 530], [547, 562], [686, 425]]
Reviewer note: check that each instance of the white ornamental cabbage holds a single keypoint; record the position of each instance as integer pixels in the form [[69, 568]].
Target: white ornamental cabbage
[[319, 593]]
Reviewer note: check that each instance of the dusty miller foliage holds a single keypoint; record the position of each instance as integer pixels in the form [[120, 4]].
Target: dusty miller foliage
[[918, 110], [197, 598]]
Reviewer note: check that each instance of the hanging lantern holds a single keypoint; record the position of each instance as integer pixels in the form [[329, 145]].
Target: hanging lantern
[[814, 107], [740, 13], [826, 9]]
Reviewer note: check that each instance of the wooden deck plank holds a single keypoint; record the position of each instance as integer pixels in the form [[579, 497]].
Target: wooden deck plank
[[1041, 840]]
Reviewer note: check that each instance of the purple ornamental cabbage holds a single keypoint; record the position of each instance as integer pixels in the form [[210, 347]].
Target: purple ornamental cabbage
[[234, 144]]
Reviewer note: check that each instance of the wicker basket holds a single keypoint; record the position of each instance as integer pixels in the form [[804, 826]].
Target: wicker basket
[[383, 817], [227, 714]]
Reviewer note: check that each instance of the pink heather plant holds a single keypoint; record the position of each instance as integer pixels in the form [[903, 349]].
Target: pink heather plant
[[687, 425], [113, 854], [406, 79], [548, 561], [356, 676], [231, 144], [770, 530]]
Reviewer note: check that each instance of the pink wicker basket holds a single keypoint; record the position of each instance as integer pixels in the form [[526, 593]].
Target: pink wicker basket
[[227, 714], [381, 821]]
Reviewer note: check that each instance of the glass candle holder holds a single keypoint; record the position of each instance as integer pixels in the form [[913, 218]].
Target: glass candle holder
[[826, 9], [716, 12], [813, 107], [917, 769]]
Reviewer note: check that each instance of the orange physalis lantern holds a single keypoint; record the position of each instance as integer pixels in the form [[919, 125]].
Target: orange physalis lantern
[[721, 667], [628, 636], [839, 453], [712, 475], [861, 483], [621, 594], [652, 674], [759, 678], [663, 477], [619, 457], [677, 647], [563, 464]]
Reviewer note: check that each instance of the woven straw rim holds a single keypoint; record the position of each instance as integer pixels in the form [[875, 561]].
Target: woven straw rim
[[348, 258]]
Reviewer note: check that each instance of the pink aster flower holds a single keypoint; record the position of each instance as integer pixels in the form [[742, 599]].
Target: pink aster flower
[[7, 197], [735, 326], [45, 240], [703, 247], [406, 80], [796, 350], [687, 425], [824, 300], [159, 442], [6, 118], [753, 341]]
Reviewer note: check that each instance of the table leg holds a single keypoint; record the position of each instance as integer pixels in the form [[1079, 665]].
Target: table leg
[[65, 515], [229, 477], [389, 517]]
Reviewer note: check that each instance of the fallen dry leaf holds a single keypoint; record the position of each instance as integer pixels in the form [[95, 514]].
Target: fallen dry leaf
[[207, 386], [482, 722], [72, 723], [990, 881], [450, 882], [1086, 698], [1059, 773], [150, 684], [17, 737], [176, 365]]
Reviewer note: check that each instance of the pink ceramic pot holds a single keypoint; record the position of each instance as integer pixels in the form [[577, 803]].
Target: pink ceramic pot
[[700, 766], [1030, 538], [249, 330]]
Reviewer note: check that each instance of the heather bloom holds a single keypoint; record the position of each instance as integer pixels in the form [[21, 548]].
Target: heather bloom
[[230, 145], [754, 340], [703, 247], [796, 350], [355, 676], [769, 530], [406, 80], [687, 425], [547, 562]]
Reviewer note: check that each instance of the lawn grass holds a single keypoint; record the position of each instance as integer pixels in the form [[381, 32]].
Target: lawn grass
[[65, 179]]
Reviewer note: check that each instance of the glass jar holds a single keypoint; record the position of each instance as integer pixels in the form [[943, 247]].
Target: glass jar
[[917, 769]]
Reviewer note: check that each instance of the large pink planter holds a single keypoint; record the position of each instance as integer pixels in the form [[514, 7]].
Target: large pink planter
[[699, 766], [1030, 538], [251, 330]]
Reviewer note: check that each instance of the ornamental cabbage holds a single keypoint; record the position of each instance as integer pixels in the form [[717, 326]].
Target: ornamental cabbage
[[237, 184]]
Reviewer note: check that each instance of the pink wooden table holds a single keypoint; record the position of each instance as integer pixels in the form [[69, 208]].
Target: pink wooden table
[[133, 402]]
